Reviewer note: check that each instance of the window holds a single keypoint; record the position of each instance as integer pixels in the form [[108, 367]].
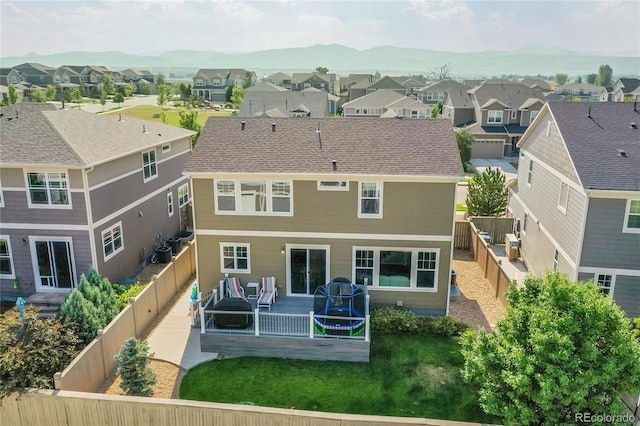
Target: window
[[605, 282], [494, 117], [166, 148], [48, 189], [254, 197], [530, 173], [1, 196], [524, 223], [6, 262], [396, 268], [563, 201], [183, 195], [632, 216], [418, 114], [199, 82], [112, 241], [534, 114], [170, 204], [234, 257], [326, 185], [514, 114], [370, 199], [556, 257], [149, 166]]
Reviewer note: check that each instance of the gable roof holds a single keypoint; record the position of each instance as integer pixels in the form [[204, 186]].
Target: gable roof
[[512, 95], [72, 138], [443, 86], [265, 86], [32, 68], [536, 82], [261, 101], [629, 84], [594, 133], [360, 146], [378, 99], [278, 76], [458, 99]]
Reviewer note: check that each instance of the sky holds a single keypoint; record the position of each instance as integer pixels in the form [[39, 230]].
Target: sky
[[610, 27]]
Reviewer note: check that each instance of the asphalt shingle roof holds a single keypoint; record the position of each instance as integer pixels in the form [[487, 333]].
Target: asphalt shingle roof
[[361, 146], [510, 94], [378, 99], [595, 133], [257, 101]]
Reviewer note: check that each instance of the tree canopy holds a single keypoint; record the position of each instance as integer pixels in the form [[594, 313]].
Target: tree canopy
[[564, 348], [443, 72], [237, 96], [107, 85], [465, 143], [487, 194], [189, 120], [321, 70], [13, 94], [561, 78], [605, 75]]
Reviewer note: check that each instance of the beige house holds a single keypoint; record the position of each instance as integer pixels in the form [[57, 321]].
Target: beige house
[[307, 200]]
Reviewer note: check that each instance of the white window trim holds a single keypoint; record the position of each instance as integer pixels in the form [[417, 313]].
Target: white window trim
[[119, 249], [12, 275], [33, 239], [339, 187], [184, 189], [613, 281], [238, 198], [414, 267], [1, 196], [31, 205], [627, 209], [153, 176], [170, 207], [529, 172], [514, 114], [556, 259], [495, 111], [370, 215], [235, 257], [561, 207], [533, 117]]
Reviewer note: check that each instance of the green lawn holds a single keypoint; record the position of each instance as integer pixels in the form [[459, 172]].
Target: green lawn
[[409, 376], [152, 113]]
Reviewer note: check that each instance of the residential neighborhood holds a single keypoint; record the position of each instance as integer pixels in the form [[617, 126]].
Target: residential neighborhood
[[288, 213]]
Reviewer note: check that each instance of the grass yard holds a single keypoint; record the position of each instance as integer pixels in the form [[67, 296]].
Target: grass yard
[[152, 113], [409, 376]]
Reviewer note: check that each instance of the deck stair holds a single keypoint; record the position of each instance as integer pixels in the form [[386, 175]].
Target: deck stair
[[47, 303]]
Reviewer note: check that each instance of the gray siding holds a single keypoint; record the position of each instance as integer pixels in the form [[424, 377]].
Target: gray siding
[[627, 294], [16, 210], [541, 201], [605, 245]]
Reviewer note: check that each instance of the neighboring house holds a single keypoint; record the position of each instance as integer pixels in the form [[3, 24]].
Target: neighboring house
[[396, 84], [345, 83], [266, 99], [458, 107], [577, 198], [376, 103], [502, 111], [583, 92], [308, 200], [212, 84], [301, 81], [11, 76], [623, 89], [279, 79], [536, 83], [81, 190], [436, 91], [38, 74]]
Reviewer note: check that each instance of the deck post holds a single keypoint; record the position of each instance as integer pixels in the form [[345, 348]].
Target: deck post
[[256, 321], [310, 324], [367, 330], [201, 318]]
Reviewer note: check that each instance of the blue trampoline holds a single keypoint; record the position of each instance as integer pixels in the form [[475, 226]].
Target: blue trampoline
[[339, 308]]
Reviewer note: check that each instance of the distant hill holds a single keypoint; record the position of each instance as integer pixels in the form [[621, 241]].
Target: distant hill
[[342, 60]]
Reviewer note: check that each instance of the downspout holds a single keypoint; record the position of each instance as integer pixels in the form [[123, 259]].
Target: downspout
[[87, 202], [582, 232], [453, 231]]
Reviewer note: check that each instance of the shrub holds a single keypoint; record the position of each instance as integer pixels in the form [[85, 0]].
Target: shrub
[[132, 291], [394, 321], [133, 368], [32, 351], [636, 329]]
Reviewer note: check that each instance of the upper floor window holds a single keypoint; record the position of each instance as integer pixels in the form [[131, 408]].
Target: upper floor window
[[183, 195], [14, 79], [149, 166], [370, 199], [1, 196], [605, 282], [6, 260], [216, 82], [112, 241], [418, 114], [563, 200], [332, 185], [170, 203], [234, 257], [254, 197], [514, 114], [494, 117], [556, 259], [533, 116], [530, 173], [42, 79], [48, 189], [632, 216], [199, 82]]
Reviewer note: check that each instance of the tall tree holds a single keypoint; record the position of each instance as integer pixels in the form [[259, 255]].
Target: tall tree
[[564, 349], [118, 98], [436, 111], [228, 93], [37, 96], [13, 94], [189, 120], [487, 194], [248, 80], [160, 80], [164, 94], [443, 72], [465, 142], [76, 96], [591, 78], [579, 79], [107, 85], [50, 93], [605, 75], [237, 96], [321, 70], [103, 98], [561, 78]]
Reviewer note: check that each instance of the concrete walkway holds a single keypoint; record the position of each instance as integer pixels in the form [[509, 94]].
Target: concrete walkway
[[503, 163], [174, 339]]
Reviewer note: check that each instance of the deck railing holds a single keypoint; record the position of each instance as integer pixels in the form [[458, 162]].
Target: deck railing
[[198, 306], [286, 325]]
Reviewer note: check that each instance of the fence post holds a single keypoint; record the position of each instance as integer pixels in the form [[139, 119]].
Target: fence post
[[256, 321], [201, 318], [367, 331], [310, 324]]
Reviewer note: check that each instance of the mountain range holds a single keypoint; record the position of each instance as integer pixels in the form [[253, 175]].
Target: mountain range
[[531, 60]]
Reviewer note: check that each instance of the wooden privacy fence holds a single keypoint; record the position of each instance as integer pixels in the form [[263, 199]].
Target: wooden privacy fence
[[462, 235], [95, 363], [65, 408], [497, 227], [490, 265]]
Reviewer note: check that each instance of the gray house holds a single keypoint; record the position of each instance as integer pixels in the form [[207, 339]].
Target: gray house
[[80, 190], [267, 99], [577, 198]]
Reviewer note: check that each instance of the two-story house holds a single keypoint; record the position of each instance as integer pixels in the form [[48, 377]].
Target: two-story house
[[211, 84], [80, 190], [279, 79], [267, 99], [308, 200], [301, 81], [436, 91], [37, 74], [577, 197], [583, 92], [385, 103], [345, 83], [623, 89]]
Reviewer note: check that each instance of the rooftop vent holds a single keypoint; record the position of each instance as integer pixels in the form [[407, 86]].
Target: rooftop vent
[[634, 125], [335, 165], [622, 153], [273, 127], [120, 118], [242, 125]]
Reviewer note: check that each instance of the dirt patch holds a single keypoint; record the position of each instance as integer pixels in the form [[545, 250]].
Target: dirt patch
[[432, 376], [476, 305], [168, 384]]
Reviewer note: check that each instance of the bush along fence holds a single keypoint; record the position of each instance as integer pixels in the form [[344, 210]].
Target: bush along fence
[[95, 363]]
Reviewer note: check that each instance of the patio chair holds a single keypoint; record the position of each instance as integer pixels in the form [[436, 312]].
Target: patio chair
[[234, 289], [268, 292]]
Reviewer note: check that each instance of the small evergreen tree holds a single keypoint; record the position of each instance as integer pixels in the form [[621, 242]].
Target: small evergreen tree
[[133, 368], [13, 94], [465, 143], [487, 195]]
